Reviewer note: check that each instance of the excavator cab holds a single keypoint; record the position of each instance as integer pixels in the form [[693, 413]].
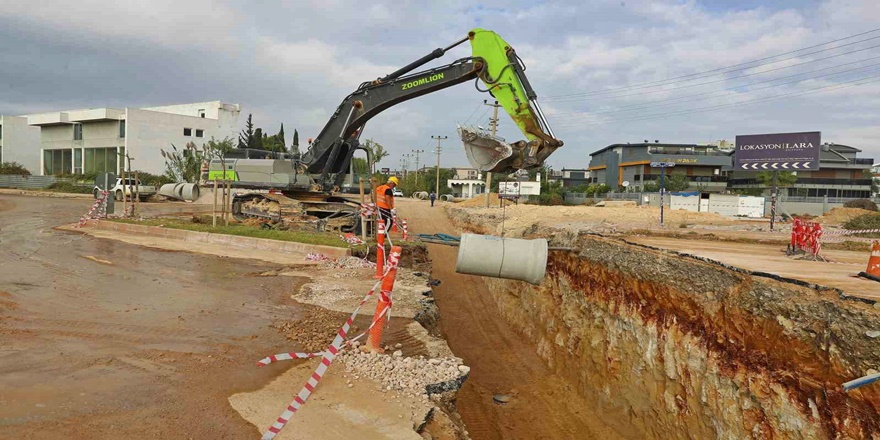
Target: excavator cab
[[503, 74]]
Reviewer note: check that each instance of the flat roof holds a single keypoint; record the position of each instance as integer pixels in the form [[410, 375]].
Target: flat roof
[[649, 144]]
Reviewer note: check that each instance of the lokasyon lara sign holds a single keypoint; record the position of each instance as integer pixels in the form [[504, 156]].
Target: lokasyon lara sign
[[778, 151]]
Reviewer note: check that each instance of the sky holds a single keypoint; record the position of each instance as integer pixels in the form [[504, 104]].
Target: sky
[[605, 71]]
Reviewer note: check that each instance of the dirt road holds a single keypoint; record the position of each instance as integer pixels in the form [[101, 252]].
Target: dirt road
[[148, 346], [771, 258], [542, 406]]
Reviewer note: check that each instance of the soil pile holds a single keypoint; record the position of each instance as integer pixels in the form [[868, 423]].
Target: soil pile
[[480, 201], [839, 216]]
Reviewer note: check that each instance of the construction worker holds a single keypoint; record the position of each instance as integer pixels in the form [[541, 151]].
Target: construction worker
[[385, 202]]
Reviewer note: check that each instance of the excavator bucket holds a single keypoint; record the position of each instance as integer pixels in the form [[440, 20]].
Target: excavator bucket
[[504, 77], [484, 151]]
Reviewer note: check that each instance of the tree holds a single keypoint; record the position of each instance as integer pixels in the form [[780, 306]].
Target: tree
[[651, 186], [217, 150], [183, 165], [258, 140], [377, 152], [281, 140], [294, 146], [360, 166], [271, 143], [677, 181], [786, 178], [246, 138]]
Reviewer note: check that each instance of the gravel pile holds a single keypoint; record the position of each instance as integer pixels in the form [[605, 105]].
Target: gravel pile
[[415, 376]]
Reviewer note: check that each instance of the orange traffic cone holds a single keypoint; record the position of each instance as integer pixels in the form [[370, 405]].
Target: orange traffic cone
[[874, 261]]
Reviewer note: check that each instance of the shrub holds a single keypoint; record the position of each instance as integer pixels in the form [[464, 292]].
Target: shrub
[[861, 203], [865, 221], [70, 187], [153, 179], [14, 168]]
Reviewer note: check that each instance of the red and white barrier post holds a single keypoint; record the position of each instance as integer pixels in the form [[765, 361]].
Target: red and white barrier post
[[374, 339], [380, 249], [405, 231]]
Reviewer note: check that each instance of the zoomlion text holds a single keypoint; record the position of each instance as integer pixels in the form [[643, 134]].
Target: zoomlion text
[[422, 81]]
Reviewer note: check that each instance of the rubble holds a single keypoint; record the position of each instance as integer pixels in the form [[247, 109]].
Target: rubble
[[417, 376]]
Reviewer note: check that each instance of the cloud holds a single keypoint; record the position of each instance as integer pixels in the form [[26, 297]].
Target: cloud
[[293, 62]]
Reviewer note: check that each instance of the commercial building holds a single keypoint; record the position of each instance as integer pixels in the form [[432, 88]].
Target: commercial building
[[704, 165], [19, 142], [93, 140], [840, 175]]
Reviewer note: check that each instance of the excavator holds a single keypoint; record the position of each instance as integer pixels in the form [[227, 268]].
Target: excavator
[[303, 190]]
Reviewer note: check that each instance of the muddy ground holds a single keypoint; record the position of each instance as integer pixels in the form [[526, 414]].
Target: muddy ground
[[148, 346]]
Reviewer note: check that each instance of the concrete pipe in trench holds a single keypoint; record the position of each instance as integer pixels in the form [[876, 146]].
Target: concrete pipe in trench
[[497, 257]]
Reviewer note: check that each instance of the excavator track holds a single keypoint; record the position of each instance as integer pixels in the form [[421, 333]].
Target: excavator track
[[332, 214]]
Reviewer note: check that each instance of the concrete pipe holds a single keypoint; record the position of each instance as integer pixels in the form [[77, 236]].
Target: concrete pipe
[[421, 195], [496, 257], [190, 192], [447, 198]]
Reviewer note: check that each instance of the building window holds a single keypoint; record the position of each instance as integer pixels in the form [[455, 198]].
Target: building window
[[57, 162], [122, 129], [201, 113], [77, 160], [77, 132], [200, 133], [637, 177], [187, 131], [100, 160]]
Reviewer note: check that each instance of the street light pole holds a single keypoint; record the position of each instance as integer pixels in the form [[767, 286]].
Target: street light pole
[[437, 151]]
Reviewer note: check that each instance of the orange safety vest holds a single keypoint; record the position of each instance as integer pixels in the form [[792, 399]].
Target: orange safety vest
[[383, 201]]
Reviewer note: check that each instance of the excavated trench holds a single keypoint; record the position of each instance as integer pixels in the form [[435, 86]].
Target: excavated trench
[[676, 347]]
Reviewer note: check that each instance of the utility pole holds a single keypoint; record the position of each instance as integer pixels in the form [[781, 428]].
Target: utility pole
[[437, 151], [418, 164], [493, 123], [773, 196]]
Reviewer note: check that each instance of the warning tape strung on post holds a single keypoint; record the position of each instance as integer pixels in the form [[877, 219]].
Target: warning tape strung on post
[[291, 356], [368, 209], [98, 210], [405, 231], [351, 239], [852, 231], [327, 358]]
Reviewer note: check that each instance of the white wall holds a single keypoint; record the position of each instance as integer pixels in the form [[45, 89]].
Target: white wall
[[148, 132], [21, 143]]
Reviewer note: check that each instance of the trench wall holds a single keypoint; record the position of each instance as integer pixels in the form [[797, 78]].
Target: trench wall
[[687, 349]]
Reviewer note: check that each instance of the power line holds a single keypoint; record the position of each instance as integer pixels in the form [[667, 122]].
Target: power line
[[723, 70], [638, 107], [845, 84], [472, 114], [732, 77]]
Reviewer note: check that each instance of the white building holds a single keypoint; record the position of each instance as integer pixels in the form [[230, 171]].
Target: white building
[[19, 142], [92, 140], [468, 182]]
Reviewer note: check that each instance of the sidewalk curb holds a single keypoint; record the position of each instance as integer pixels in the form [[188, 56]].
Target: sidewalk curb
[[262, 244], [32, 193]]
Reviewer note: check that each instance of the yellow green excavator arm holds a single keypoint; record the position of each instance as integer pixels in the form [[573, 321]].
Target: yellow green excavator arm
[[504, 77]]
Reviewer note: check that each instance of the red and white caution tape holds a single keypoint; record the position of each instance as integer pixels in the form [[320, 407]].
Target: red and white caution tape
[[851, 231], [352, 239], [326, 359], [368, 209], [98, 210], [405, 231]]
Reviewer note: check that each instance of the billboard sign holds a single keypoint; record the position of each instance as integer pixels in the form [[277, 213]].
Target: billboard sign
[[514, 189], [778, 151], [662, 164]]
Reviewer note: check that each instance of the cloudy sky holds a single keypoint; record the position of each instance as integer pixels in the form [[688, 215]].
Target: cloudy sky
[[606, 71]]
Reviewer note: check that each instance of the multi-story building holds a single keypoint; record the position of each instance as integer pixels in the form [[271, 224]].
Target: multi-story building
[[841, 174], [875, 175], [93, 140], [19, 142], [467, 174], [572, 177], [704, 165]]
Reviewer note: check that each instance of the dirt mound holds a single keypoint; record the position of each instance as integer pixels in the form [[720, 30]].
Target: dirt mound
[[480, 201], [838, 216]]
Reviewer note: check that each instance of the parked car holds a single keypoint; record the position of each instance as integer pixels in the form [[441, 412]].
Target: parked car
[[397, 192], [130, 187]]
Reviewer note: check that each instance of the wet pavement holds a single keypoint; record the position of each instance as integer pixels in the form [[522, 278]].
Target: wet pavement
[[149, 345]]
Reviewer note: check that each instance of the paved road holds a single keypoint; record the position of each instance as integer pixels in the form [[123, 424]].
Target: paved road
[[148, 347]]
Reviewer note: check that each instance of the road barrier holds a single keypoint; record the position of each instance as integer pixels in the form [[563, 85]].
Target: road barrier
[[805, 236], [405, 231], [380, 249], [374, 340], [873, 270]]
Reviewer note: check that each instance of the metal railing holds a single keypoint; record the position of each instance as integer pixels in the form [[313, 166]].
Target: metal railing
[[810, 181]]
